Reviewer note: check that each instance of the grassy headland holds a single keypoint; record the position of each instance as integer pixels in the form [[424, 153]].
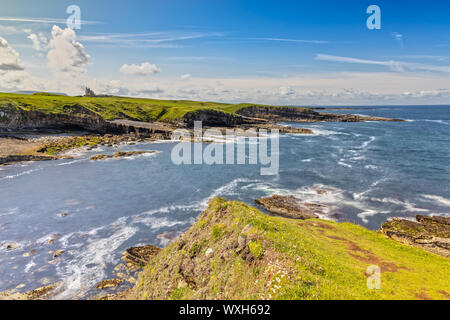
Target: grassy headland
[[234, 251], [111, 108]]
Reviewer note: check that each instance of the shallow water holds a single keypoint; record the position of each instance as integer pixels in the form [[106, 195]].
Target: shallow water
[[371, 171]]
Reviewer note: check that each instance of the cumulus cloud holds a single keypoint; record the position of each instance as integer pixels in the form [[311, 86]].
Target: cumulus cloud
[[144, 69], [40, 41], [9, 58], [66, 54]]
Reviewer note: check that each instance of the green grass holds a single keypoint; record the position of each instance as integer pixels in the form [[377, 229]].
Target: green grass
[[111, 108], [287, 259]]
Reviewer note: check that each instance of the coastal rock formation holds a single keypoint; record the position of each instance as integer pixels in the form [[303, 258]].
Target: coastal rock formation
[[42, 293], [109, 283], [213, 118], [121, 154], [301, 115], [429, 233], [140, 255], [290, 207], [26, 157], [73, 117]]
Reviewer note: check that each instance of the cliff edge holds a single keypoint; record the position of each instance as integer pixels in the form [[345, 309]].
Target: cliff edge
[[234, 251]]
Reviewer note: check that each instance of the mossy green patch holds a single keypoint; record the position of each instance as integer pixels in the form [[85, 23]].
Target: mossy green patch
[[256, 248]]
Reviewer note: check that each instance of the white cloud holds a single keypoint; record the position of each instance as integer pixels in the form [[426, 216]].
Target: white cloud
[[144, 69], [163, 39], [43, 20], [8, 30], [186, 76], [293, 40], [397, 36], [40, 41], [66, 54], [9, 58], [286, 91], [393, 65]]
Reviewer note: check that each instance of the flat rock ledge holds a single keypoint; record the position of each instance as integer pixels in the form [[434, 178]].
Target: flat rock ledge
[[121, 154], [42, 293], [290, 207], [140, 256], [109, 283], [429, 233]]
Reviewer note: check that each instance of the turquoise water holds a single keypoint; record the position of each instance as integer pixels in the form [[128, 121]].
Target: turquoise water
[[370, 171]]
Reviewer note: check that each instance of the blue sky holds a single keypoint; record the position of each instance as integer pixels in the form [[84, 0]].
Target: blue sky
[[286, 52]]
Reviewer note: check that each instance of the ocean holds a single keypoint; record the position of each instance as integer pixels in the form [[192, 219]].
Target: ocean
[[370, 172]]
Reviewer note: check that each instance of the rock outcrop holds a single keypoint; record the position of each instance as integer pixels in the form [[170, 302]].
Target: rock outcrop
[[213, 118], [74, 117], [290, 207], [20, 158], [109, 283], [302, 115], [140, 256], [429, 233], [121, 154]]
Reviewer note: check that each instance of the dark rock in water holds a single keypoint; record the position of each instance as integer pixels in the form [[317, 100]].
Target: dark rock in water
[[140, 255], [100, 157], [429, 233], [121, 154], [110, 283], [290, 207], [42, 293], [57, 253], [12, 246], [26, 157]]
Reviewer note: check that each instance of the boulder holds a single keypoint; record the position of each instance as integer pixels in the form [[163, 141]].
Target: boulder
[[429, 233], [140, 255], [290, 207], [109, 283]]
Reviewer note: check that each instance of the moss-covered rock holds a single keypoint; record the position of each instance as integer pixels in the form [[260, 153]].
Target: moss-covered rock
[[429, 233], [289, 206]]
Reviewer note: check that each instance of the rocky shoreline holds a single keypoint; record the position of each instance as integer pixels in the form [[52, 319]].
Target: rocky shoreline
[[18, 124]]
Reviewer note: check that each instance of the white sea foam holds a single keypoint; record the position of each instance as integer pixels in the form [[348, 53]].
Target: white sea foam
[[440, 200], [324, 132], [9, 212], [29, 265], [341, 163], [87, 267], [445, 122], [20, 174], [366, 143], [70, 162]]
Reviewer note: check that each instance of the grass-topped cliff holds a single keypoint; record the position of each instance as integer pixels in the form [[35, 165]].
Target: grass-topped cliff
[[111, 108], [234, 251]]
